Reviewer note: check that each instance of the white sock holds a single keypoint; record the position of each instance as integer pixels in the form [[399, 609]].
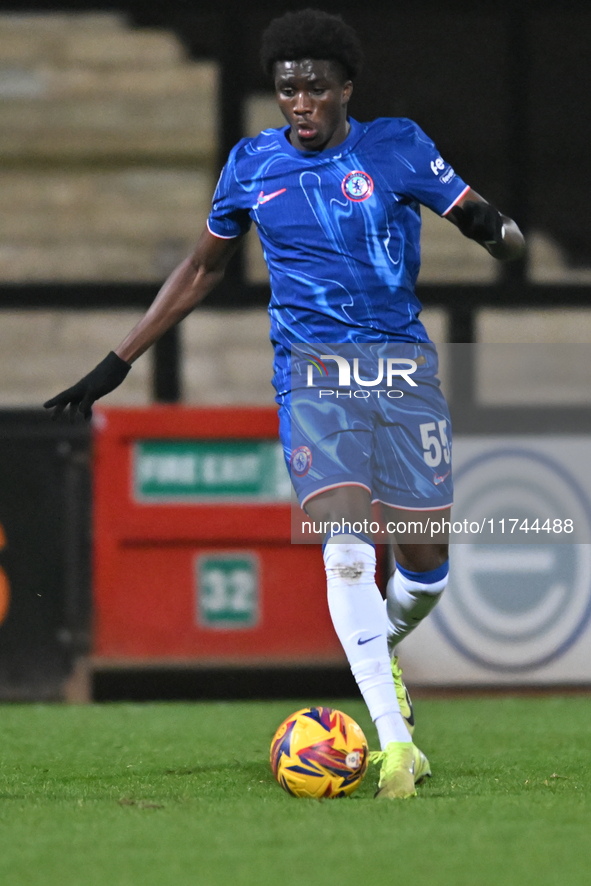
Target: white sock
[[410, 597], [361, 623]]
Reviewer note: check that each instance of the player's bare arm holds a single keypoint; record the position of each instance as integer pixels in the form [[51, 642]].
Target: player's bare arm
[[185, 288], [480, 221], [188, 285]]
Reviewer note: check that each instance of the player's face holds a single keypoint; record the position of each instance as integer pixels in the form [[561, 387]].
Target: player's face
[[313, 96]]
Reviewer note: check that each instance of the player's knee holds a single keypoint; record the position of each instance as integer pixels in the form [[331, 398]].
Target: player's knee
[[424, 558], [349, 559], [344, 505]]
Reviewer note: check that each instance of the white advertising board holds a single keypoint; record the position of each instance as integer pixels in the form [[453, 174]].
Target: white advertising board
[[517, 611]]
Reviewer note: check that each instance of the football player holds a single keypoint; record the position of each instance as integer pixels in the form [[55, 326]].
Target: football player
[[337, 207]]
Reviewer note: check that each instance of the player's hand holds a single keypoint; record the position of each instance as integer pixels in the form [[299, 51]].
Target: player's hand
[[104, 378], [479, 221]]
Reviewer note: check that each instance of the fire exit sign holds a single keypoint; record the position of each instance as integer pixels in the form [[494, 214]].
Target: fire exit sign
[[169, 471]]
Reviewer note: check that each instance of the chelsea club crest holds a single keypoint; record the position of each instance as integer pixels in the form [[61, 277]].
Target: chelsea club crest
[[301, 461], [357, 186]]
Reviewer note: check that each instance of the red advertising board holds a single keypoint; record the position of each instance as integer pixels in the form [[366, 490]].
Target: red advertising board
[[193, 562]]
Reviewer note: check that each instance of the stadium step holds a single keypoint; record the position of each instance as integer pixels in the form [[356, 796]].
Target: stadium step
[[95, 39], [107, 139]]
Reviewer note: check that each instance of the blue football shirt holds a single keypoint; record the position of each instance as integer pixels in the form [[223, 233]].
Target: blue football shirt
[[340, 230]]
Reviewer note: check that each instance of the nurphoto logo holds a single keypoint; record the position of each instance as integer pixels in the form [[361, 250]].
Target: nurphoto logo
[[388, 370]]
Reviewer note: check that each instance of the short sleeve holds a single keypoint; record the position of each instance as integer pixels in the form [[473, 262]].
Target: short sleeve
[[229, 216], [427, 176]]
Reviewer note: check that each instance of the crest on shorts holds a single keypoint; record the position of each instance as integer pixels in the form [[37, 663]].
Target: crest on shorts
[[301, 461], [357, 186]]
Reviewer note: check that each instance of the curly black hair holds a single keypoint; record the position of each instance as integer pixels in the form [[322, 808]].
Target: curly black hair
[[311, 33]]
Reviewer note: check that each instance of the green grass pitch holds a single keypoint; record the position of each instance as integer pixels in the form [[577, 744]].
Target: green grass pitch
[[182, 794]]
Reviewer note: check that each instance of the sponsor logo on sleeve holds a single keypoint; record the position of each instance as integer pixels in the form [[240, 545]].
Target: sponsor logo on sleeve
[[442, 170]]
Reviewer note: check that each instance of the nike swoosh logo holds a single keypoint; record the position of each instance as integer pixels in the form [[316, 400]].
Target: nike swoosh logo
[[361, 642], [264, 198], [411, 717], [437, 479]]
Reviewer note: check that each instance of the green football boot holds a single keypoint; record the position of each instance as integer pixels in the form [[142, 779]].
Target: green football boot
[[403, 766], [402, 695], [422, 766]]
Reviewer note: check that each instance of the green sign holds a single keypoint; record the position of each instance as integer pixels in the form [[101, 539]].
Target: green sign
[[203, 470], [227, 590]]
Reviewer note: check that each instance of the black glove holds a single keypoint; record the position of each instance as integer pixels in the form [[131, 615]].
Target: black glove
[[479, 221], [104, 378]]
